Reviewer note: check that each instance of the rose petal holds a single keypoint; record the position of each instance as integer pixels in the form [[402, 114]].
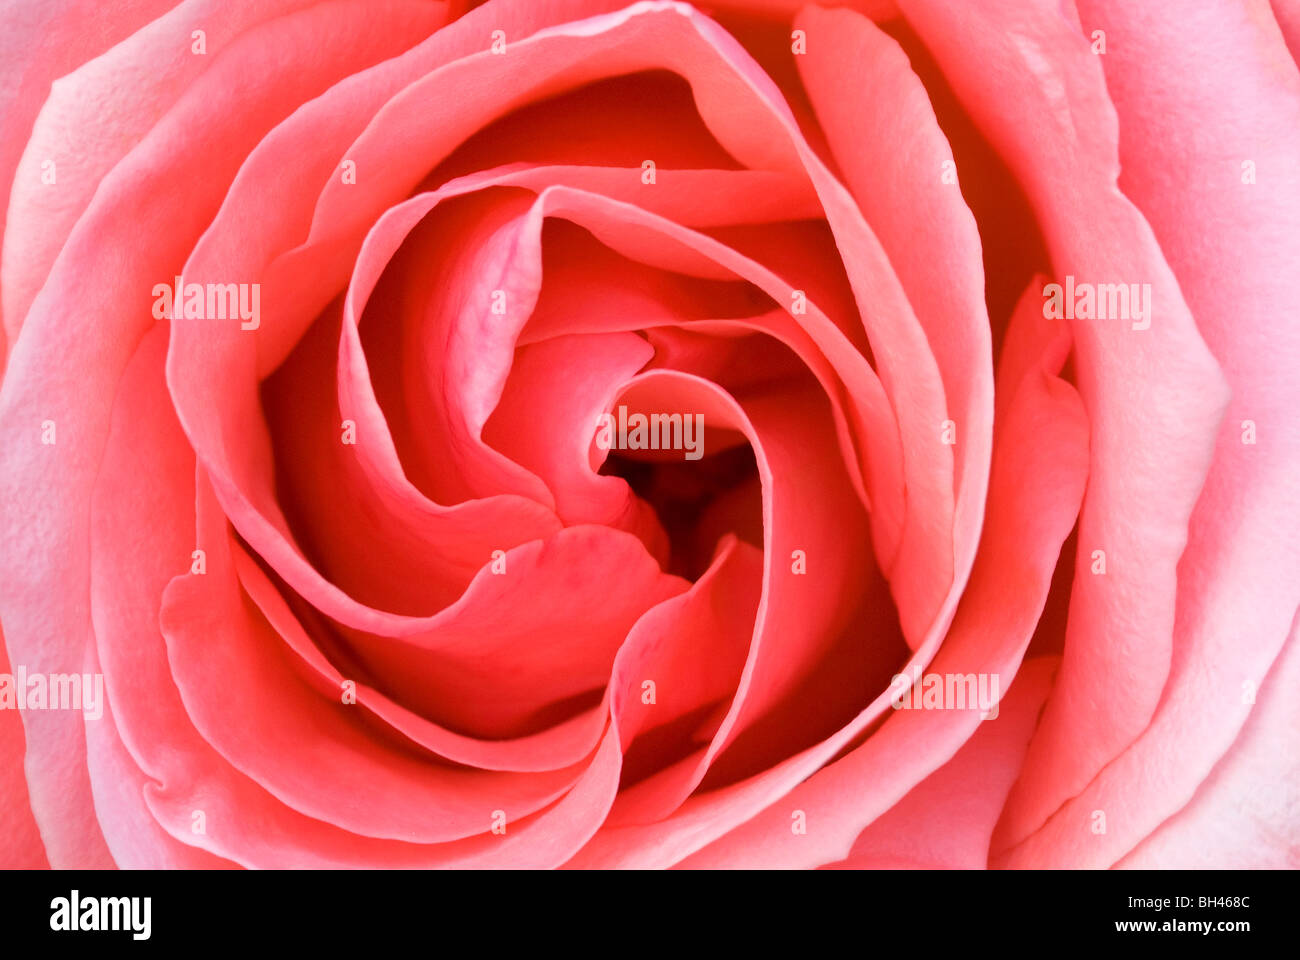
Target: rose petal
[[692, 648], [66, 373], [1237, 593], [452, 670], [765, 138], [883, 134], [1287, 13], [562, 745], [137, 839], [241, 821], [794, 636], [40, 44], [349, 506], [20, 840], [1154, 396], [1243, 815], [947, 820], [285, 733], [1039, 468], [140, 524], [118, 102], [562, 386]]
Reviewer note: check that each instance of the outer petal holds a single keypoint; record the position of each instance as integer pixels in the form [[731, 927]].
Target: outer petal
[[1288, 19], [1236, 248], [1154, 396], [876, 9], [93, 117], [130, 237], [40, 43], [1245, 814]]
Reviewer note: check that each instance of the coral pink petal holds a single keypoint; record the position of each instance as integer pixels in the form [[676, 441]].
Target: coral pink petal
[[40, 44], [123, 94], [244, 482], [141, 535], [558, 746], [349, 505], [947, 820], [181, 775], [881, 128], [1039, 469], [284, 731], [876, 9], [138, 838], [55, 366], [795, 630], [558, 389], [452, 669], [396, 146], [474, 270], [691, 651]]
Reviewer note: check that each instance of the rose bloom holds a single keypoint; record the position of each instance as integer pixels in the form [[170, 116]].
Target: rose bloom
[[566, 433]]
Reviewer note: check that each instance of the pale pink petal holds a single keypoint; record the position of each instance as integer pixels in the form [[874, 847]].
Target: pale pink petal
[[98, 112], [134, 834], [141, 535], [1237, 590], [1287, 13], [1243, 816], [1154, 396]]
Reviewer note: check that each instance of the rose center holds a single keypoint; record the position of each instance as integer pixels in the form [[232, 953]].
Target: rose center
[[697, 501]]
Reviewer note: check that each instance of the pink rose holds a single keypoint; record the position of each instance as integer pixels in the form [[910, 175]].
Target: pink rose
[[584, 434]]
